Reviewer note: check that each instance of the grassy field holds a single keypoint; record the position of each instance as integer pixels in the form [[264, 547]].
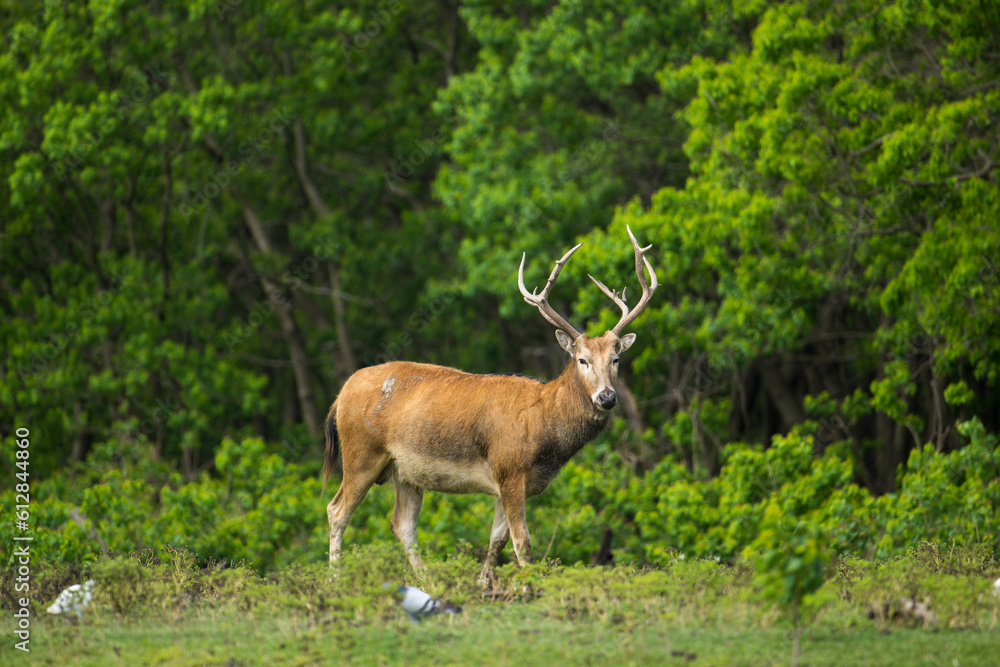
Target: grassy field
[[171, 612]]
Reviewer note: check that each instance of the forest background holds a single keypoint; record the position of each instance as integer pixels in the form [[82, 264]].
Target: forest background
[[212, 212]]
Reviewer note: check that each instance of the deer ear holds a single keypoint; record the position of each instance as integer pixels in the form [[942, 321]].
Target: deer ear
[[565, 340], [626, 342]]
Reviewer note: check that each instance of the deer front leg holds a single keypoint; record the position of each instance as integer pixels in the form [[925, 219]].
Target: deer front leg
[[512, 497], [498, 540]]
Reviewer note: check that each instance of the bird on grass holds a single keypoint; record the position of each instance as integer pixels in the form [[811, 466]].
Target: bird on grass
[[419, 605], [74, 599]]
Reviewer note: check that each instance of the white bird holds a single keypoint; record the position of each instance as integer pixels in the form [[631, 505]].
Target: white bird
[[996, 588], [75, 599], [418, 604]]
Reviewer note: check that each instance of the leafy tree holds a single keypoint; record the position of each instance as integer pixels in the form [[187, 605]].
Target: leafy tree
[[213, 211], [829, 171], [184, 190]]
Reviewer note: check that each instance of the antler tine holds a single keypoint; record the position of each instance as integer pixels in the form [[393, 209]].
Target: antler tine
[[620, 301], [648, 287], [540, 301]]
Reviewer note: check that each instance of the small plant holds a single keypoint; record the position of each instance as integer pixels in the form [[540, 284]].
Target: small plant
[[789, 557], [125, 583]]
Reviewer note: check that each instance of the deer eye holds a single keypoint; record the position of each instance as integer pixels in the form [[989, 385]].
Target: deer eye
[[583, 362], [615, 361]]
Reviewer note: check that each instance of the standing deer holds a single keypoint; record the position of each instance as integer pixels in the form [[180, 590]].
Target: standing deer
[[427, 427]]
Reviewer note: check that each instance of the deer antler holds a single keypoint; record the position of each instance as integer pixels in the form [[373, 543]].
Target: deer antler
[[541, 302], [647, 288]]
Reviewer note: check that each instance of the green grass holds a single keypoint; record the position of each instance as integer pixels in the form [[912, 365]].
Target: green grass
[[693, 613]]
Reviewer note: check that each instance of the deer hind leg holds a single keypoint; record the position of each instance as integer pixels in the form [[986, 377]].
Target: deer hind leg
[[409, 499], [499, 535], [358, 478]]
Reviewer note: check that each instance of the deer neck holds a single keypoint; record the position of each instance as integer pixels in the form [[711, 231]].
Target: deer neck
[[573, 419]]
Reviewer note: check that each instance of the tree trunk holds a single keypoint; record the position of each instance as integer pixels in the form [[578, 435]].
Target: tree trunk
[[293, 337], [319, 206], [348, 363], [107, 225], [788, 405], [891, 437], [164, 219], [81, 440]]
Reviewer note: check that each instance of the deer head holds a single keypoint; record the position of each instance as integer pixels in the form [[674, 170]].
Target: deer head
[[595, 360]]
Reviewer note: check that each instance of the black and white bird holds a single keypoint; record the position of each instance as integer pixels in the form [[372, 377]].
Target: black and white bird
[[74, 599], [419, 605]]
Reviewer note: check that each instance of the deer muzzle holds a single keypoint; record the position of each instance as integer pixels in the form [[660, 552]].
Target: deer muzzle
[[606, 399]]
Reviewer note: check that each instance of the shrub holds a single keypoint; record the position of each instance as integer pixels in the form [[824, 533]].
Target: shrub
[[265, 511]]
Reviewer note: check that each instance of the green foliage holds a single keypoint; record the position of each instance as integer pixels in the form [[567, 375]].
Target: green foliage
[[213, 212], [789, 559], [156, 300], [126, 584], [267, 512], [169, 609], [262, 510], [722, 516], [953, 582], [950, 499], [259, 510]]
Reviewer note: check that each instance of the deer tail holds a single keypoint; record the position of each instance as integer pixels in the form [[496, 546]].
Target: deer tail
[[330, 460]]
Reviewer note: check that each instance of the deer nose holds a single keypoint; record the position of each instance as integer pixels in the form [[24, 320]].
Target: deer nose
[[607, 399]]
